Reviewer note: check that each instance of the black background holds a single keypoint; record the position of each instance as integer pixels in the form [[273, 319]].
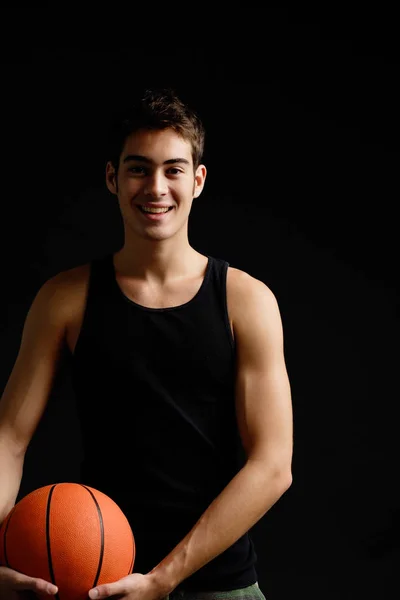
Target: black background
[[302, 150]]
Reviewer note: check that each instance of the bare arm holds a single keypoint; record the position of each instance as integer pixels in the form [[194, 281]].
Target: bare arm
[[29, 385], [264, 413]]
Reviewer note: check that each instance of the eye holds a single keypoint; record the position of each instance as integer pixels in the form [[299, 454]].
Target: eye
[[136, 170], [174, 171]]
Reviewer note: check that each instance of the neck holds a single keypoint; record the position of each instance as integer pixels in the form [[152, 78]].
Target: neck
[[155, 261]]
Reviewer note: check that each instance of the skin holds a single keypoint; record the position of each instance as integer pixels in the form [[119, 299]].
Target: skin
[[158, 267], [156, 252]]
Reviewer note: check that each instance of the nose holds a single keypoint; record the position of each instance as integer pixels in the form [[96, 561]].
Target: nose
[[156, 185]]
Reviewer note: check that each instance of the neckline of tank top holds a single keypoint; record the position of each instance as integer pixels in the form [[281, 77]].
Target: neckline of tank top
[[206, 277]]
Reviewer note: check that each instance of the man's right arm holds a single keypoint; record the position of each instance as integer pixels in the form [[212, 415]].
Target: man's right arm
[[28, 388]]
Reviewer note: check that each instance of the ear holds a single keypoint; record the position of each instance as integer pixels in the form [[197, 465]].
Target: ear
[[111, 178], [199, 180]]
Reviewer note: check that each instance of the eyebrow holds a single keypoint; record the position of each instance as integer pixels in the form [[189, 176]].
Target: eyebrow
[[145, 159]]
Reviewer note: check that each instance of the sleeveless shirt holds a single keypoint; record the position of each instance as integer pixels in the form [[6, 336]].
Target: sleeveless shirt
[[155, 399]]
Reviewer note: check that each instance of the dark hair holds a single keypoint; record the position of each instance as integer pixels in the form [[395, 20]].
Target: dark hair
[[157, 109]]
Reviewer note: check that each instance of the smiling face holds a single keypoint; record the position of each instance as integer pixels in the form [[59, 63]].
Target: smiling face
[[155, 172]]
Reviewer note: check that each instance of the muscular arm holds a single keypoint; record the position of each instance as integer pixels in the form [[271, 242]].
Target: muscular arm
[[264, 413], [28, 387]]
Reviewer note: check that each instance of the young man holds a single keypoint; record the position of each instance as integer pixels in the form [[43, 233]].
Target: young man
[[177, 363]]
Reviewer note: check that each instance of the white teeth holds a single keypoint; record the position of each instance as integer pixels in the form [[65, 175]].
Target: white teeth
[[154, 210]]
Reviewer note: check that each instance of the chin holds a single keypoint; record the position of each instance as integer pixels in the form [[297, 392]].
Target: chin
[[157, 236]]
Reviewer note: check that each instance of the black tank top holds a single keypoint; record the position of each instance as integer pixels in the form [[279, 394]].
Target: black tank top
[[155, 395]]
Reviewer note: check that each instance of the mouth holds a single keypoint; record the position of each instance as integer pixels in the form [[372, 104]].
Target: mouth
[[154, 214]]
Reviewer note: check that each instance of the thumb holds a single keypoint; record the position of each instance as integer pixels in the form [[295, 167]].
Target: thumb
[[106, 590], [24, 582]]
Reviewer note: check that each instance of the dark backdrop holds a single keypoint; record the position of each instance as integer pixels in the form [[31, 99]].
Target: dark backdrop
[[302, 153]]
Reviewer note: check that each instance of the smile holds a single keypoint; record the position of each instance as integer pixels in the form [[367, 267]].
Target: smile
[[155, 210], [154, 214]]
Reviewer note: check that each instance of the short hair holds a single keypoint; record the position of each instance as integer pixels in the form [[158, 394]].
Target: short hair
[[157, 109]]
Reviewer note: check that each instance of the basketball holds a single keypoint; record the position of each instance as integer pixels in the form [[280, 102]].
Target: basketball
[[71, 535]]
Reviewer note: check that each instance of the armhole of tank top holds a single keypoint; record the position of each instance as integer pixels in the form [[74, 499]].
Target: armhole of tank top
[[224, 276], [85, 311]]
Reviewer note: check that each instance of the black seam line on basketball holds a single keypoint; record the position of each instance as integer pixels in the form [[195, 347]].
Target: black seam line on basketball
[[5, 537], [133, 554], [51, 571], [101, 534]]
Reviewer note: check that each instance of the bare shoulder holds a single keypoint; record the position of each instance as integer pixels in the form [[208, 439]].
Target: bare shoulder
[[253, 309], [65, 292], [245, 292], [69, 279]]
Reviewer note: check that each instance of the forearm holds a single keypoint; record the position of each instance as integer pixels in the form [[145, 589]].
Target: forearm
[[11, 468], [248, 496]]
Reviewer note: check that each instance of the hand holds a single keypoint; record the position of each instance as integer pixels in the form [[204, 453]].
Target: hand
[[14, 585], [132, 587]]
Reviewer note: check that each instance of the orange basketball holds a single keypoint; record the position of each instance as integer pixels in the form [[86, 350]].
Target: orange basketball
[[68, 534]]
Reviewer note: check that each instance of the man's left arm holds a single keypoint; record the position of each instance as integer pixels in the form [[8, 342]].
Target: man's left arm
[[264, 414]]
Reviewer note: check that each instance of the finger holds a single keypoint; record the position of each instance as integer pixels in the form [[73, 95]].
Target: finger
[[35, 584], [106, 590], [44, 586]]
